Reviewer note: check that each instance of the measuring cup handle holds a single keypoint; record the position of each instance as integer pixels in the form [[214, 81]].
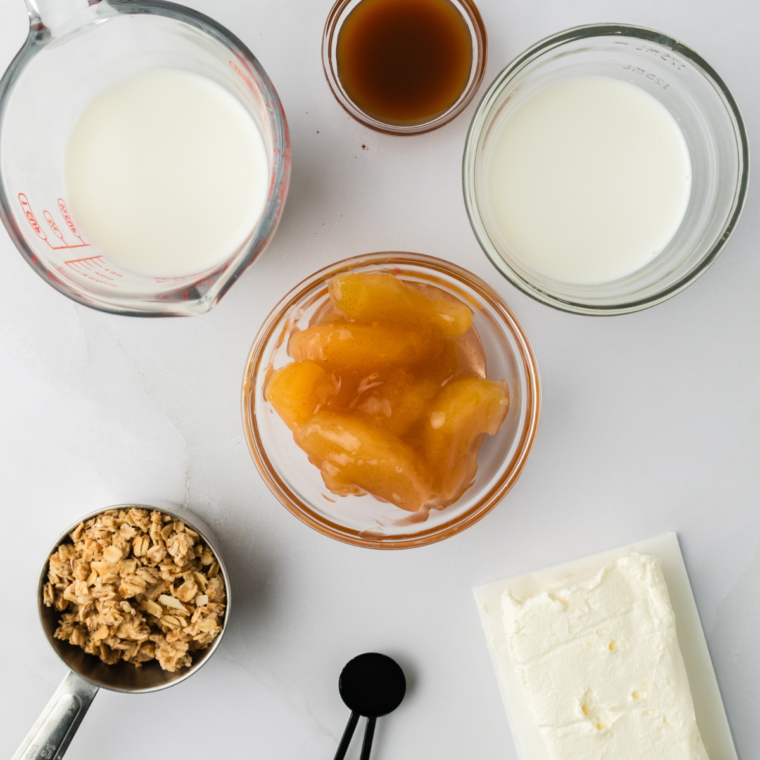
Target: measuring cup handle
[[61, 16], [55, 728]]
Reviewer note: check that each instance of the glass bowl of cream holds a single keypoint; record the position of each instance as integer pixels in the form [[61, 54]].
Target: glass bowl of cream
[[605, 169], [364, 520]]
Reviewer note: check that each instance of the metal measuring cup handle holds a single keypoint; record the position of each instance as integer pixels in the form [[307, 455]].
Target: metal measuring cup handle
[[55, 728]]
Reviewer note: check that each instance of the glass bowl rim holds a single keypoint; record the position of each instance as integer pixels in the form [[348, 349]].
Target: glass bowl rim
[[507, 322], [329, 66], [480, 122]]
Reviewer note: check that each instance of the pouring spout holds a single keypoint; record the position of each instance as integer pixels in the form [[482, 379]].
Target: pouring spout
[[60, 16]]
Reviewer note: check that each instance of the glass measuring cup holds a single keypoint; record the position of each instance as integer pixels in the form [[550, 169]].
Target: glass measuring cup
[[53, 731], [76, 49]]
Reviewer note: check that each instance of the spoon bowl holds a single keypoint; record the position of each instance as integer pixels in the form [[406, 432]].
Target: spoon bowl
[[372, 685]]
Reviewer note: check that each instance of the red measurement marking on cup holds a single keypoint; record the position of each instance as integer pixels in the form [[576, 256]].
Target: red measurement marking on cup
[[29, 214], [67, 218], [26, 207], [91, 262], [53, 226], [95, 268], [246, 78]]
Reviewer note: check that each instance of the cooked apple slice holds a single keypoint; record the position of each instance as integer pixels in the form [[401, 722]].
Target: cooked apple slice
[[363, 348], [348, 390], [382, 297], [396, 400], [462, 413], [462, 356], [355, 455], [298, 390], [327, 314]]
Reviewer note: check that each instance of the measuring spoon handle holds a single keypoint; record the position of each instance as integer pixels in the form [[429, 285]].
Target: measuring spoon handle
[[347, 734], [369, 734], [55, 728]]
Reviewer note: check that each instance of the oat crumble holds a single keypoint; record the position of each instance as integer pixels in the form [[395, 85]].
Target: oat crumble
[[136, 585]]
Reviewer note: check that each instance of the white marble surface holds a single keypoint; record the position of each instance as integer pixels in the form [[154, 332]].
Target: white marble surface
[[651, 424]]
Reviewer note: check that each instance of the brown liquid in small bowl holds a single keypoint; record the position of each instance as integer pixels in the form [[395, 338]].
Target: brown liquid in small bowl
[[404, 66], [404, 61]]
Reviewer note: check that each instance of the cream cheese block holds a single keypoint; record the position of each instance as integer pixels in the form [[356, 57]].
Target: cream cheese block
[[600, 666]]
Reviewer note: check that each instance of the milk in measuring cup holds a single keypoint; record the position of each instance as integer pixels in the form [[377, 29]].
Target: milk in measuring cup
[[588, 179], [166, 173]]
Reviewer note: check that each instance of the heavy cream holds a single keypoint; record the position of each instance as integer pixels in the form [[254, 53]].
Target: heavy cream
[[601, 669], [587, 180], [166, 173]]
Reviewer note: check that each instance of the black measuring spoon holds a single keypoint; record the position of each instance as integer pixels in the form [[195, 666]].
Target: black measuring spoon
[[371, 685]]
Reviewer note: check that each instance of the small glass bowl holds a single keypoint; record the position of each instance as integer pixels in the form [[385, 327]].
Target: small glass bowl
[[365, 521], [706, 113], [335, 19]]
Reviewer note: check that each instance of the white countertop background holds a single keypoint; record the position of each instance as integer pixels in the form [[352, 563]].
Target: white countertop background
[[651, 423]]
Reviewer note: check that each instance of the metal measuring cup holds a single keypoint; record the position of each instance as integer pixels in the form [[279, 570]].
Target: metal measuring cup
[[55, 728]]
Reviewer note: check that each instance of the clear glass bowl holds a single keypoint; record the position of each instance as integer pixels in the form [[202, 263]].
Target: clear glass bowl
[[76, 49], [335, 19], [365, 521], [704, 109]]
